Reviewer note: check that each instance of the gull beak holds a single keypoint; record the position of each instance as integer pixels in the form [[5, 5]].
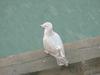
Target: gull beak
[[42, 26]]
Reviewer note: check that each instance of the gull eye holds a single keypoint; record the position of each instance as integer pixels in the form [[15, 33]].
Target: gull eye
[[46, 25]]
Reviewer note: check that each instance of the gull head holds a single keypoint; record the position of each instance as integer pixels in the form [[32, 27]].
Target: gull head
[[47, 25]]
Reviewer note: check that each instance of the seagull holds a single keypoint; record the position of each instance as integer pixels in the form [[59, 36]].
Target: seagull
[[53, 44]]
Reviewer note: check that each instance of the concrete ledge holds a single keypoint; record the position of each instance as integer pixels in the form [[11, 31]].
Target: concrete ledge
[[36, 61]]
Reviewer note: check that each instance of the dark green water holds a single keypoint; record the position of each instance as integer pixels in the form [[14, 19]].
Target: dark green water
[[20, 22]]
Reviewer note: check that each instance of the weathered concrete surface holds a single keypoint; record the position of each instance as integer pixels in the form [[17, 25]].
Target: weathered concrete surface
[[90, 67], [37, 61]]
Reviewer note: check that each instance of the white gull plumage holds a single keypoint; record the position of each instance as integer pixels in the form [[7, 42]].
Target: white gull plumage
[[53, 44]]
